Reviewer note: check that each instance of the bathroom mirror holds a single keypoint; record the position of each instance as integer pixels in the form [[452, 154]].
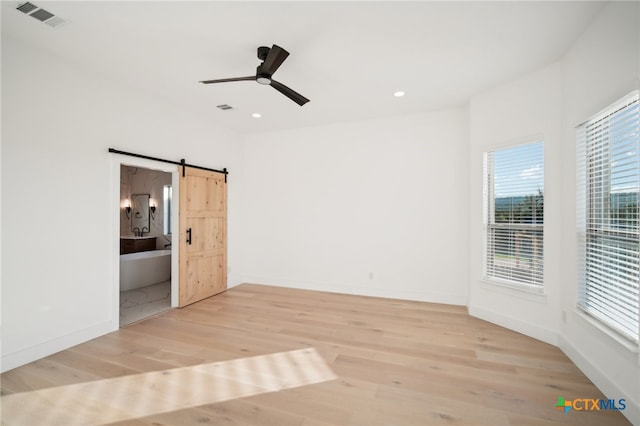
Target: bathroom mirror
[[140, 214]]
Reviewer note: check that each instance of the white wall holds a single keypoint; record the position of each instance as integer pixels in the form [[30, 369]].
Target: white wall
[[527, 109], [602, 66], [59, 233], [376, 207]]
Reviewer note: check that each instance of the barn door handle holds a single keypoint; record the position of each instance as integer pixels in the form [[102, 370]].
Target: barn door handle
[[189, 236]]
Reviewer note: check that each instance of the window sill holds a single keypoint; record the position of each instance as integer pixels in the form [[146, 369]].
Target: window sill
[[522, 291]]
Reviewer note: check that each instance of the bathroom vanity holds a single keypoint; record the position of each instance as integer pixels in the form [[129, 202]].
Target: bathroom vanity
[[136, 244]]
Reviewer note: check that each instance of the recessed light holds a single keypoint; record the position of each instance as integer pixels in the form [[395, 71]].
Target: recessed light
[[256, 115], [398, 94]]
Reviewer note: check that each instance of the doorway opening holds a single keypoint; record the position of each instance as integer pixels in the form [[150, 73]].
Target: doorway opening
[[146, 267]]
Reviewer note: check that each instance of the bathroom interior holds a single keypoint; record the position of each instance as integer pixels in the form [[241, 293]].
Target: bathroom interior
[[145, 243]]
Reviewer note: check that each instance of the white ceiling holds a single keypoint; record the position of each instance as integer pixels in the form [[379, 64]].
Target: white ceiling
[[347, 57]]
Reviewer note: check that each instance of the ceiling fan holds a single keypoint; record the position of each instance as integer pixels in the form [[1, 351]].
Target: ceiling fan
[[272, 58]]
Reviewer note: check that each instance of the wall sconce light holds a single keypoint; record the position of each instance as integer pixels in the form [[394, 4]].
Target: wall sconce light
[[127, 208], [152, 208]]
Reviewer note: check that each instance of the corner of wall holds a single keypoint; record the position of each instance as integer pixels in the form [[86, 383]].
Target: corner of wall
[[523, 327]]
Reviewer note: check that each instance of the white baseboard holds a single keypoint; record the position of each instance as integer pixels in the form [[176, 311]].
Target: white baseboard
[[16, 359], [608, 387], [526, 328], [394, 293]]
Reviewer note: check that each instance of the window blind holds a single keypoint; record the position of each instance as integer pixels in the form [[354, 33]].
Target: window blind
[[608, 181], [514, 214]]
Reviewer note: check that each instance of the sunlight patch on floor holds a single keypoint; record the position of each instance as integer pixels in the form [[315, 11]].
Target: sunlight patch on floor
[[141, 395]]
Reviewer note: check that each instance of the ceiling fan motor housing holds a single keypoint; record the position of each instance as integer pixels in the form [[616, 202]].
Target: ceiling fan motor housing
[[261, 77], [263, 51]]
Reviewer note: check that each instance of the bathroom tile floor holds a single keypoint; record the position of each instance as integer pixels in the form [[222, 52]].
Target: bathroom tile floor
[[144, 302]]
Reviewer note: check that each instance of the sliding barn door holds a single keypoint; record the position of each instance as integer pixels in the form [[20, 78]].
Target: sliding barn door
[[203, 235]]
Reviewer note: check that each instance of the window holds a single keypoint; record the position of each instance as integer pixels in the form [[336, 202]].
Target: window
[[608, 176], [514, 215], [167, 195]]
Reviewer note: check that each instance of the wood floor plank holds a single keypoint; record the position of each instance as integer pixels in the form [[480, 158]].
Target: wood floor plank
[[392, 361]]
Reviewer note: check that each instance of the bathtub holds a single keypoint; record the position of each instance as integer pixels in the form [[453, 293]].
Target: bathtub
[[144, 268]]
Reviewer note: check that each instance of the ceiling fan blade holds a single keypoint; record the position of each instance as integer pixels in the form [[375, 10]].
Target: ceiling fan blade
[[289, 93], [225, 80], [274, 59]]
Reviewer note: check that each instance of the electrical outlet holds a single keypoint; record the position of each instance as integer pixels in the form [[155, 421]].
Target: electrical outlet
[[370, 275]]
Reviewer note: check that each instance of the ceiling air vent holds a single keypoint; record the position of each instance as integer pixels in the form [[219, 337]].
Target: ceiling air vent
[[40, 14], [224, 107], [27, 7]]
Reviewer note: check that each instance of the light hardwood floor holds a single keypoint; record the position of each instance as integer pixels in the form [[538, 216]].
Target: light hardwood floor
[[339, 360]]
